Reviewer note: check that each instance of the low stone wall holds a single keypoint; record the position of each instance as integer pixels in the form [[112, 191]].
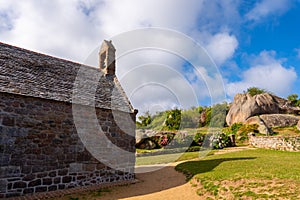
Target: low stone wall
[[41, 151], [276, 143]]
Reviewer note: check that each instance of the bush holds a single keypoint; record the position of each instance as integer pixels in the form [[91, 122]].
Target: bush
[[144, 120], [293, 98], [244, 130], [233, 129], [220, 141], [173, 119], [255, 90], [198, 139], [240, 130], [190, 118]]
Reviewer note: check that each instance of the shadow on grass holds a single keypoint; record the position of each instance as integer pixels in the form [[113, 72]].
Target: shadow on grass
[[192, 168]]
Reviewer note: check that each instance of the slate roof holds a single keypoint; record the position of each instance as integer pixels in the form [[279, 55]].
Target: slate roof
[[28, 73]]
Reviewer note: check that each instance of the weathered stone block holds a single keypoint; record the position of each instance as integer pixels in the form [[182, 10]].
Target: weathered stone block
[[38, 167], [47, 181], [41, 175], [62, 172], [28, 190], [76, 167], [52, 174], [41, 189], [19, 184], [66, 179], [12, 194], [4, 159], [90, 167], [3, 185], [29, 177], [57, 180], [26, 169], [52, 188], [61, 186], [8, 121], [35, 183], [9, 171]]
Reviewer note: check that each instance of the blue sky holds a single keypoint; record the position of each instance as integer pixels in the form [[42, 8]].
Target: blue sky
[[253, 43]]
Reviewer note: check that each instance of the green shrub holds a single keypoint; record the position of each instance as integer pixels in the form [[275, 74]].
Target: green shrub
[[244, 130], [173, 119], [144, 120], [240, 130], [255, 90], [198, 139], [293, 98], [220, 141], [233, 129]]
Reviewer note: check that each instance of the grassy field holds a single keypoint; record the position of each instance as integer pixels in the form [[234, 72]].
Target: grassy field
[[250, 174], [166, 158]]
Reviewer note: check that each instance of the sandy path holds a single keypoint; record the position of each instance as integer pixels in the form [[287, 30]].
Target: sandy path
[[162, 183], [165, 183]]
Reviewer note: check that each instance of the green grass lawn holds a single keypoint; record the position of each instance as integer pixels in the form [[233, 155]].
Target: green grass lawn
[[254, 174], [166, 158]]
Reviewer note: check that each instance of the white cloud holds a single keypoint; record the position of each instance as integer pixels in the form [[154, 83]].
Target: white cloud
[[221, 47], [72, 29], [268, 73], [119, 16], [54, 27], [267, 8]]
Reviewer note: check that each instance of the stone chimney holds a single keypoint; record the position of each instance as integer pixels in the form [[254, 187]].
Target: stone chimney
[[107, 60]]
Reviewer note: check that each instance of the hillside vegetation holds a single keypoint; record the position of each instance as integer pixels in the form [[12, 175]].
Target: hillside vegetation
[[197, 121]]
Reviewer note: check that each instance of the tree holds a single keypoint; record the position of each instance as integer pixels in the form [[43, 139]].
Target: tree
[[218, 115], [144, 120], [293, 97], [173, 119], [190, 118]]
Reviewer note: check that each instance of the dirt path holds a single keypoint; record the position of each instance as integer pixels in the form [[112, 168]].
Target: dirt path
[[165, 183]]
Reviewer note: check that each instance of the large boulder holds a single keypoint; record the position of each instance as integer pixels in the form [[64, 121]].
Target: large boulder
[[298, 125], [267, 122], [262, 127], [279, 120], [245, 106]]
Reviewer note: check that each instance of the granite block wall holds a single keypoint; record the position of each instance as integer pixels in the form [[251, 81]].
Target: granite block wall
[[40, 149], [276, 143]]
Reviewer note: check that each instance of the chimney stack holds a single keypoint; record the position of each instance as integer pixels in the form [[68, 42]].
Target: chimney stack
[[107, 60]]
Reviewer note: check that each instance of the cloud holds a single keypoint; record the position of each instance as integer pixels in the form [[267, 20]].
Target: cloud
[[266, 72], [221, 47], [268, 8], [73, 29], [119, 16], [55, 27]]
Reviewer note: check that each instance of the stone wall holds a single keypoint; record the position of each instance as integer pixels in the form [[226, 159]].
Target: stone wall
[[40, 149], [276, 143]]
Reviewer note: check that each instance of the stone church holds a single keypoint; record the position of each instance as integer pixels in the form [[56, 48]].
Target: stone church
[[62, 124]]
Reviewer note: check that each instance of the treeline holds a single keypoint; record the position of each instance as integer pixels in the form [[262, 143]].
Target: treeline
[[176, 119], [195, 117]]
